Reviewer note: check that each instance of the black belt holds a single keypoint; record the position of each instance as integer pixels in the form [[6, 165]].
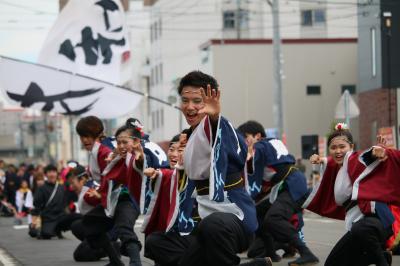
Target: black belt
[[232, 181], [348, 204]]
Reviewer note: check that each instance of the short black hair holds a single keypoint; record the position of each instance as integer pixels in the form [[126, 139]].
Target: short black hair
[[90, 126], [197, 79], [175, 139], [50, 167], [252, 127]]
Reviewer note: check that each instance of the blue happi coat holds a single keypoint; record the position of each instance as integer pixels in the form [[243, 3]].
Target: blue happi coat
[[216, 158], [270, 153]]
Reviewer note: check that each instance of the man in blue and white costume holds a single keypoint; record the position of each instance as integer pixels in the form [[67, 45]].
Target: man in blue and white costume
[[215, 157], [269, 160]]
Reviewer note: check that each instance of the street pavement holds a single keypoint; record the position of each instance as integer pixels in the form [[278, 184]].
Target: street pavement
[[17, 248]]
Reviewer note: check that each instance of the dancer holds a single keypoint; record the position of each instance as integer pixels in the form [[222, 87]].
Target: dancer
[[288, 190], [357, 187], [214, 158], [172, 214]]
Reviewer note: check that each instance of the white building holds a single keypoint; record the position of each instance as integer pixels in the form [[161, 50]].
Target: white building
[[316, 71], [178, 28]]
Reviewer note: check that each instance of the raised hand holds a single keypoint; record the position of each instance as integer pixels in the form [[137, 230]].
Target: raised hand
[[379, 153], [212, 106], [316, 159], [381, 141]]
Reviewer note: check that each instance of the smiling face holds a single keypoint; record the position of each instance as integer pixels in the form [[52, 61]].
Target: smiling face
[[126, 143], [191, 103], [338, 148], [173, 152]]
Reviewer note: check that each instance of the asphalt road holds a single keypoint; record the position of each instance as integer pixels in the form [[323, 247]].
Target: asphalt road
[[17, 248]]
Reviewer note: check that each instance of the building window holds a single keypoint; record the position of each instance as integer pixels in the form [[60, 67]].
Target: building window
[[153, 121], [306, 17], [151, 33], [373, 51], [151, 77], [319, 16], [160, 28], [156, 75], [229, 20], [162, 117], [158, 118], [161, 72], [155, 30], [313, 17], [313, 90], [350, 88]]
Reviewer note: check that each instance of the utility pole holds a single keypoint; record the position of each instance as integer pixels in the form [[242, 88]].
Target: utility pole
[[277, 88], [387, 16], [238, 19]]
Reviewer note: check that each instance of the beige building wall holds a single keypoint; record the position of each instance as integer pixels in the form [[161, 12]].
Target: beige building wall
[[244, 72]]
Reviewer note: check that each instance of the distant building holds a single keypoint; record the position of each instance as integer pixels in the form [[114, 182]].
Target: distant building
[[316, 72], [178, 28], [379, 68]]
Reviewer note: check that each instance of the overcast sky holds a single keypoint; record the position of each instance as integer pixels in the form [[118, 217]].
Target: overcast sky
[[24, 25]]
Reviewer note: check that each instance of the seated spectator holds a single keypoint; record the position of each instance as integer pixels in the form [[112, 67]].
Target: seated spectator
[[6, 208], [49, 204], [2, 181], [11, 184], [38, 181], [24, 202]]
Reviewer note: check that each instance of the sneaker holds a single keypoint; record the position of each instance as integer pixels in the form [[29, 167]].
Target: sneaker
[[388, 256], [290, 252]]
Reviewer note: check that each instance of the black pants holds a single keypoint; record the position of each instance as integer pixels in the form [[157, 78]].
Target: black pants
[[64, 224], [96, 223], [84, 251], [277, 219], [78, 230], [49, 227], [276, 226], [219, 237], [363, 245], [166, 249], [124, 220]]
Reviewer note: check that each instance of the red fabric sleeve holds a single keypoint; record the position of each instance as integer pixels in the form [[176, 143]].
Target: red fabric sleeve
[[102, 155]]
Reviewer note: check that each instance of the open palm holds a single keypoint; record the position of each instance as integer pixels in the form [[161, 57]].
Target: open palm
[[212, 106]]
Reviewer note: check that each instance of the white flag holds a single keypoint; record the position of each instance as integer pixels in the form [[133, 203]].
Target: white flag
[[48, 89], [89, 37]]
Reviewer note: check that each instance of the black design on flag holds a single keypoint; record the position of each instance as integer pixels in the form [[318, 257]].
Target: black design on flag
[[91, 47], [108, 5], [34, 94]]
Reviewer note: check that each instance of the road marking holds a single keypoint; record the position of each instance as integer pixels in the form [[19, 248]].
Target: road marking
[[6, 259], [19, 227]]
